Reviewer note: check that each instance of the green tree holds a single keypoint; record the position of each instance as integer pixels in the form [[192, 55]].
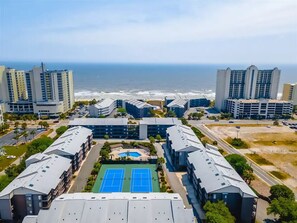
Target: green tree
[[184, 121], [276, 123], [218, 212], [93, 102], [16, 124], [62, 116], [284, 208], [33, 132], [106, 137], [26, 135], [152, 139], [45, 125], [158, 137], [170, 113], [24, 126], [61, 130], [239, 163], [278, 191], [122, 111]]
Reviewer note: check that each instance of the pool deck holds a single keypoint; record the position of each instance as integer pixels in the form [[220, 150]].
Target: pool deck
[[144, 155], [128, 176]]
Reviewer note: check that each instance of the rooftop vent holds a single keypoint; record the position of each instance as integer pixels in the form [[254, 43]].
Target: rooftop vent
[[31, 185]]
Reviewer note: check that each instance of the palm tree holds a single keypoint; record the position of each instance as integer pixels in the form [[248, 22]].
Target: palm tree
[[33, 132], [26, 135], [16, 124], [24, 126]]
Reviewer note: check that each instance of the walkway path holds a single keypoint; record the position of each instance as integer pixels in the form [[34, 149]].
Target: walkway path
[[85, 170]]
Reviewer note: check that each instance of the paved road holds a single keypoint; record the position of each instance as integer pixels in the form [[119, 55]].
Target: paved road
[[8, 139], [85, 171], [230, 149]]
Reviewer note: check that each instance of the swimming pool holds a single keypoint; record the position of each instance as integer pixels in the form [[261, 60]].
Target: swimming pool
[[132, 154]]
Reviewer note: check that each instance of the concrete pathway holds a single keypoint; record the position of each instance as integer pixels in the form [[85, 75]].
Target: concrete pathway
[[85, 170]]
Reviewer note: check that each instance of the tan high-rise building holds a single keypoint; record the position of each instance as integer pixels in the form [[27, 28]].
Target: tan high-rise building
[[290, 93], [15, 86], [37, 91]]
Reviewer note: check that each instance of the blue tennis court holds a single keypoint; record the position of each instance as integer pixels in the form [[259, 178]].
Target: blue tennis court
[[141, 180], [112, 181]]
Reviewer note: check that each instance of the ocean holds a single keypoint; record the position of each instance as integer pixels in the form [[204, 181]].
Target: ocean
[[148, 81]]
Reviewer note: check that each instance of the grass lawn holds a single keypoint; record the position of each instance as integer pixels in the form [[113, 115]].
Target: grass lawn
[[280, 175], [259, 159], [14, 151], [127, 178], [234, 125]]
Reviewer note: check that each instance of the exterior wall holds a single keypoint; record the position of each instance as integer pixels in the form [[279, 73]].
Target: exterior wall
[[143, 131], [48, 109], [290, 93], [246, 84], [154, 130], [96, 112], [258, 110], [242, 208], [5, 209], [199, 102], [137, 112], [19, 107], [179, 112], [1, 114]]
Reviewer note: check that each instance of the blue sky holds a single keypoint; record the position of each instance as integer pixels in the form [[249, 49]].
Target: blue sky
[[149, 31]]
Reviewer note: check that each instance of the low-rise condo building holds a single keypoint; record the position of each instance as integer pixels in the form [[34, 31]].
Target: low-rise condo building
[[138, 109], [193, 101], [156, 126], [73, 144], [179, 106], [290, 94], [115, 208], [214, 179], [103, 108], [114, 128], [259, 109], [46, 177], [180, 141]]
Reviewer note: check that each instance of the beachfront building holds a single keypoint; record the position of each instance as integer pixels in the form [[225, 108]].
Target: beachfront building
[[290, 94], [138, 109], [1, 113], [259, 109], [39, 91], [115, 208], [156, 126], [46, 177], [103, 108], [73, 144], [180, 141], [214, 179], [52, 90], [114, 128], [179, 106], [193, 101], [13, 91], [251, 83]]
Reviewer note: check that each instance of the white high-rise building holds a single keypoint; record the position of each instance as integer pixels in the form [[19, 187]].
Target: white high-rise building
[[51, 91], [290, 93], [251, 83], [37, 91]]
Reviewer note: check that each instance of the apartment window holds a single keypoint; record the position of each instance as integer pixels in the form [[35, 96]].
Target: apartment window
[[214, 196]]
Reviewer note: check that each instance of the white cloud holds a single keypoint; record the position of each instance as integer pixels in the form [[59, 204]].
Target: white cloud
[[237, 19]]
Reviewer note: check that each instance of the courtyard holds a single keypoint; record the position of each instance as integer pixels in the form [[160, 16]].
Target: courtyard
[[139, 178]]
